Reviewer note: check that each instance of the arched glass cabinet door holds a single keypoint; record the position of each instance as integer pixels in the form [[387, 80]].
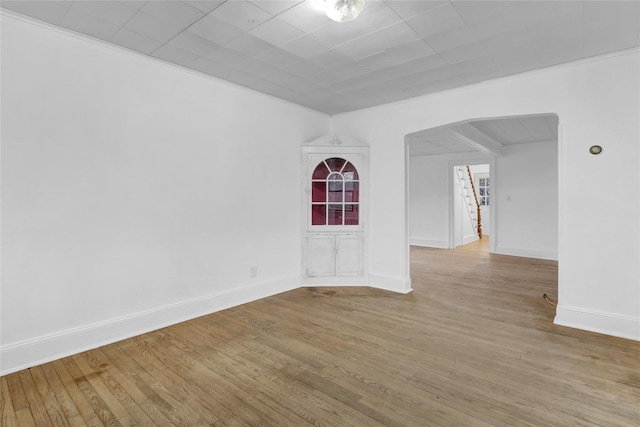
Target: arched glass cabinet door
[[335, 205], [335, 193]]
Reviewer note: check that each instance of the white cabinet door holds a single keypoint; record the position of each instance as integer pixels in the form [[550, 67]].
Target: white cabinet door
[[320, 256], [330, 255], [349, 255]]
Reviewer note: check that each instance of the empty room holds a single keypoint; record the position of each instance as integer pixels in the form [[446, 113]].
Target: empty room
[[320, 212]]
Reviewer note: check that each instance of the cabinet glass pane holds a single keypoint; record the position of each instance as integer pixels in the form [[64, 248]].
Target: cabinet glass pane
[[321, 172], [351, 191], [335, 164], [319, 192], [334, 214], [318, 215], [350, 172], [351, 214], [335, 191]]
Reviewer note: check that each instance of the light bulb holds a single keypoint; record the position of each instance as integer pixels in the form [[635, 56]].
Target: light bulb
[[343, 10]]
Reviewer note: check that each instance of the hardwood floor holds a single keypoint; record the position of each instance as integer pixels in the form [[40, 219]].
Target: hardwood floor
[[473, 345]]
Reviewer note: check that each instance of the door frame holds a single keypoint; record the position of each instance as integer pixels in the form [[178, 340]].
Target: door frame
[[492, 209]]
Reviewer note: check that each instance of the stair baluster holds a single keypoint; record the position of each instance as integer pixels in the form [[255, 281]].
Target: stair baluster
[[475, 196]]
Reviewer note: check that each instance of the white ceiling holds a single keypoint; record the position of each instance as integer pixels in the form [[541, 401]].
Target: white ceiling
[[488, 136], [395, 50], [520, 130], [436, 141]]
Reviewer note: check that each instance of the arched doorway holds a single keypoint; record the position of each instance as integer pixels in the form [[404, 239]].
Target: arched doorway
[[523, 156]]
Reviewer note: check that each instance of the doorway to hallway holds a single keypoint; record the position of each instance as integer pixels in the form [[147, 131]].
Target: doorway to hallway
[[470, 203]]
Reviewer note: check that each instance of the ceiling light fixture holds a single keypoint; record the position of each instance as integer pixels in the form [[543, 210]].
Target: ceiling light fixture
[[343, 10]]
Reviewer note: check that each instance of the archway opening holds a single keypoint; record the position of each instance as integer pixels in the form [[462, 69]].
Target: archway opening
[[522, 157]]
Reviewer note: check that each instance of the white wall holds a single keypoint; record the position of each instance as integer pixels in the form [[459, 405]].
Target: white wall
[[599, 244], [429, 213], [526, 200], [135, 194]]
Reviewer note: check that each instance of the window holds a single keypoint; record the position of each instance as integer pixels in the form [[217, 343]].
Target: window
[[483, 191], [335, 193]]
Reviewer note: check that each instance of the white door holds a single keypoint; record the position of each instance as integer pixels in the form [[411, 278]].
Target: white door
[[349, 255], [320, 256]]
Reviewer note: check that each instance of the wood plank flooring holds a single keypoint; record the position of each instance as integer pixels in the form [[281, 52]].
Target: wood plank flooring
[[473, 345]]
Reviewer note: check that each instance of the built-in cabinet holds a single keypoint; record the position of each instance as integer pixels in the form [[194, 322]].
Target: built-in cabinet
[[335, 209], [335, 255]]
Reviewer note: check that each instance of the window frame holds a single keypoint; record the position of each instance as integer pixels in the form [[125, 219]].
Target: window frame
[[483, 199]]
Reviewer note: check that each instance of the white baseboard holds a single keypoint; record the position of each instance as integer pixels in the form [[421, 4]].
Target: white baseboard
[[440, 244], [470, 238], [376, 281], [390, 283], [25, 354], [597, 321], [527, 253]]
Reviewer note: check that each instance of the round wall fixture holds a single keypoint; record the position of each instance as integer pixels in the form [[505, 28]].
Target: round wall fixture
[[595, 149]]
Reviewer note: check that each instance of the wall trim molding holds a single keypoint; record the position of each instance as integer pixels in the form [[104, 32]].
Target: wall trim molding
[[598, 321], [36, 351], [390, 283], [427, 243], [527, 253]]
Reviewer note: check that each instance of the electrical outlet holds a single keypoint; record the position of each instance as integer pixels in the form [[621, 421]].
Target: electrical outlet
[[253, 271]]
